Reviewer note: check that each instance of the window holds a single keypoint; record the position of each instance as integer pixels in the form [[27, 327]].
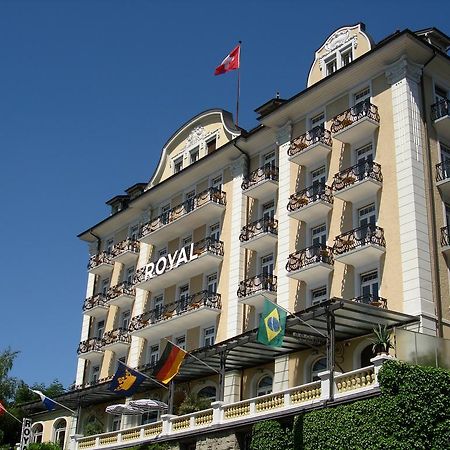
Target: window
[[178, 165], [149, 417], [194, 155], [186, 241], [331, 65], [318, 295], [216, 183], [109, 245], [211, 146], [318, 178], [338, 59], [214, 232], [264, 386], [183, 299], [319, 366], [95, 374], [362, 95], [208, 336], [115, 423], [366, 355], [162, 252], [318, 121], [153, 356], [319, 235], [269, 159], [125, 320], [133, 232], [346, 57], [181, 342], [267, 265], [129, 275], [158, 306], [60, 432], [445, 160], [120, 360], [209, 392], [100, 328], [369, 286], [189, 202], [38, 430], [268, 211], [104, 286], [447, 215], [364, 161], [440, 94], [211, 283], [367, 215], [165, 214]]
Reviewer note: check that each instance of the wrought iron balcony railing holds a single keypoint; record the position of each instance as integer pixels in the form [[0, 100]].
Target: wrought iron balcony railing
[[94, 301], [359, 237], [181, 306], [309, 195], [209, 195], [127, 245], [117, 335], [359, 172], [354, 114], [267, 172], [371, 299], [124, 288], [311, 137], [262, 282], [207, 245], [90, 345], [440, 109], [310, 255], [443, 170], [258, 227], [445, 236], [100, 258]]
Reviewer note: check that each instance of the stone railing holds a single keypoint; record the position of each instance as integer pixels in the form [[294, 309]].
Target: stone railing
[[364, 170], [440, 109], [256, 284], [355, 114], [223, 416], [209, 195], [310, 195], [258, 227], [311, 137], [266, 172], [359, 237]]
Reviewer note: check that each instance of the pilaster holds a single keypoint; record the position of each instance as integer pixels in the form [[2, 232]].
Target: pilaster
[[232, 390], [281, 374]]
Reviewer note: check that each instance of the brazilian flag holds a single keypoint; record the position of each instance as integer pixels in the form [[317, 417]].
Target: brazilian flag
[[271, 325]]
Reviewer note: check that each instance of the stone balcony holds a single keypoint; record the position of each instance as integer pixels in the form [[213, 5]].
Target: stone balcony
[[441, 118], [311, 203], [259, 236], [252, 291], [262, 183], [100, 264], [310, 148]]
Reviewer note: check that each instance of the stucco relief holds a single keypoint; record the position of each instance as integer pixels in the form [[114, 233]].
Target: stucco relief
[[195, 136]]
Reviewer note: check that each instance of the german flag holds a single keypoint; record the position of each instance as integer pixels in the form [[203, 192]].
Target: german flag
[[169, 363]]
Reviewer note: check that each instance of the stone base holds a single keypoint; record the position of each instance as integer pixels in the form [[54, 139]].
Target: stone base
[[217, 441]]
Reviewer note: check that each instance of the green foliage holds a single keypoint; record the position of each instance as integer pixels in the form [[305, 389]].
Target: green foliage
[[154, 446], [92, 427], [270, 435], [193, 403], [413, 412], [382, 339], [7, 383], [44, 446]]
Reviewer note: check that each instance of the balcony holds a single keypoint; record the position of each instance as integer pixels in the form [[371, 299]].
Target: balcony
[[311, 264], [441, 118], [96, 306], [100, 264], [311, 147], [262, 183], [311, 203], [259, 236], [121, 295], [203, 256], [116, 340], [445, 240], [361, 246], [193, 311], [201, 209], [372, 300], [254, 290], [125, 252], [361, 181], [356, 124], [443, 178], [90, 349]]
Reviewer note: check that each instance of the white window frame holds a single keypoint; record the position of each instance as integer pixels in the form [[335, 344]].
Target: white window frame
[[318, 123], [214, 229], [116, 423], [133, 232], [99, 328], [104, 285], [194, 151], [153, 354], [176, 161], [208, 336], [263, 263], [216, 181], [179, 338], [210, 138], [359, 90], [95, 374], [318, 299], [370, 282], [125, 318], [259, 391], [209, 283], [129, 274]]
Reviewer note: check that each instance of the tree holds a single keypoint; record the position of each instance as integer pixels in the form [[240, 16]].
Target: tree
[[7, 384]]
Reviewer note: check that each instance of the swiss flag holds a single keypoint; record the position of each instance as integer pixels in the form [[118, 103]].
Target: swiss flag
[[231, 62]]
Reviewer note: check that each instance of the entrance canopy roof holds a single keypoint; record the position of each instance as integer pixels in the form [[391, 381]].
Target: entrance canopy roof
[[304, 329]]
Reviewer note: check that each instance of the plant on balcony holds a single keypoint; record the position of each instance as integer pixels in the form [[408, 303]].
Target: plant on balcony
[[193, 403], [382, 341]]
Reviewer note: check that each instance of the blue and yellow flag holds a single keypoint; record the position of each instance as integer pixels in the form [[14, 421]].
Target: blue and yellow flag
[[126, 380], [271, 325]]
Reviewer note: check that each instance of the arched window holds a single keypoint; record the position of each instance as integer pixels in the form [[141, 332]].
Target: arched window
[[264, 385], [366, 355], [60, 432], [38, 429], [209, 392], [319, 366]]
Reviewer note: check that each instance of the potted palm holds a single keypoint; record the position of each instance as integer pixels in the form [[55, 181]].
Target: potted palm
[[382, 341]]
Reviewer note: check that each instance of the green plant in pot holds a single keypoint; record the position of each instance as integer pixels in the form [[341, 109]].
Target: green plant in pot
[[382, 341]]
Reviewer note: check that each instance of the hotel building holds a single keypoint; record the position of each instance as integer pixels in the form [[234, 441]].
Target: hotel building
[[336, 207]]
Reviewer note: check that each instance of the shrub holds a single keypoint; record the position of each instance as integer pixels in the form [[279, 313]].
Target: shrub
[[270, 435]]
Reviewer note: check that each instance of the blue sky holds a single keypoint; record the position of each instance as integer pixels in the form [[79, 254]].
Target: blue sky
[[90, 90]]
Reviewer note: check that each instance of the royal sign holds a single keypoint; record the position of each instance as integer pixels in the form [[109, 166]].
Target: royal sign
[[170, 262], [25, 438]]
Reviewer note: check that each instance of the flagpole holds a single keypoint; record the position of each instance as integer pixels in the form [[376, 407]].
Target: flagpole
[[54, 401], [298, 318], [2, 408], [238, 85], [190, 354], [146, 376]]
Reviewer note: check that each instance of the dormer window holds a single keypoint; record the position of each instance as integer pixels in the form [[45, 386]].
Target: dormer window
[[194, 155], [211, 146], [338, 59], [178, 165]]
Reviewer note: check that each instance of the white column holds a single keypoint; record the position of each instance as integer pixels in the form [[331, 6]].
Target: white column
[[236, 257], [232, 391], [404, 76], [284, 185], [281, 374]]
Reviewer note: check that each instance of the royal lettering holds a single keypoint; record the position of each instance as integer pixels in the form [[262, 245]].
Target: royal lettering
[[170, 262]]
